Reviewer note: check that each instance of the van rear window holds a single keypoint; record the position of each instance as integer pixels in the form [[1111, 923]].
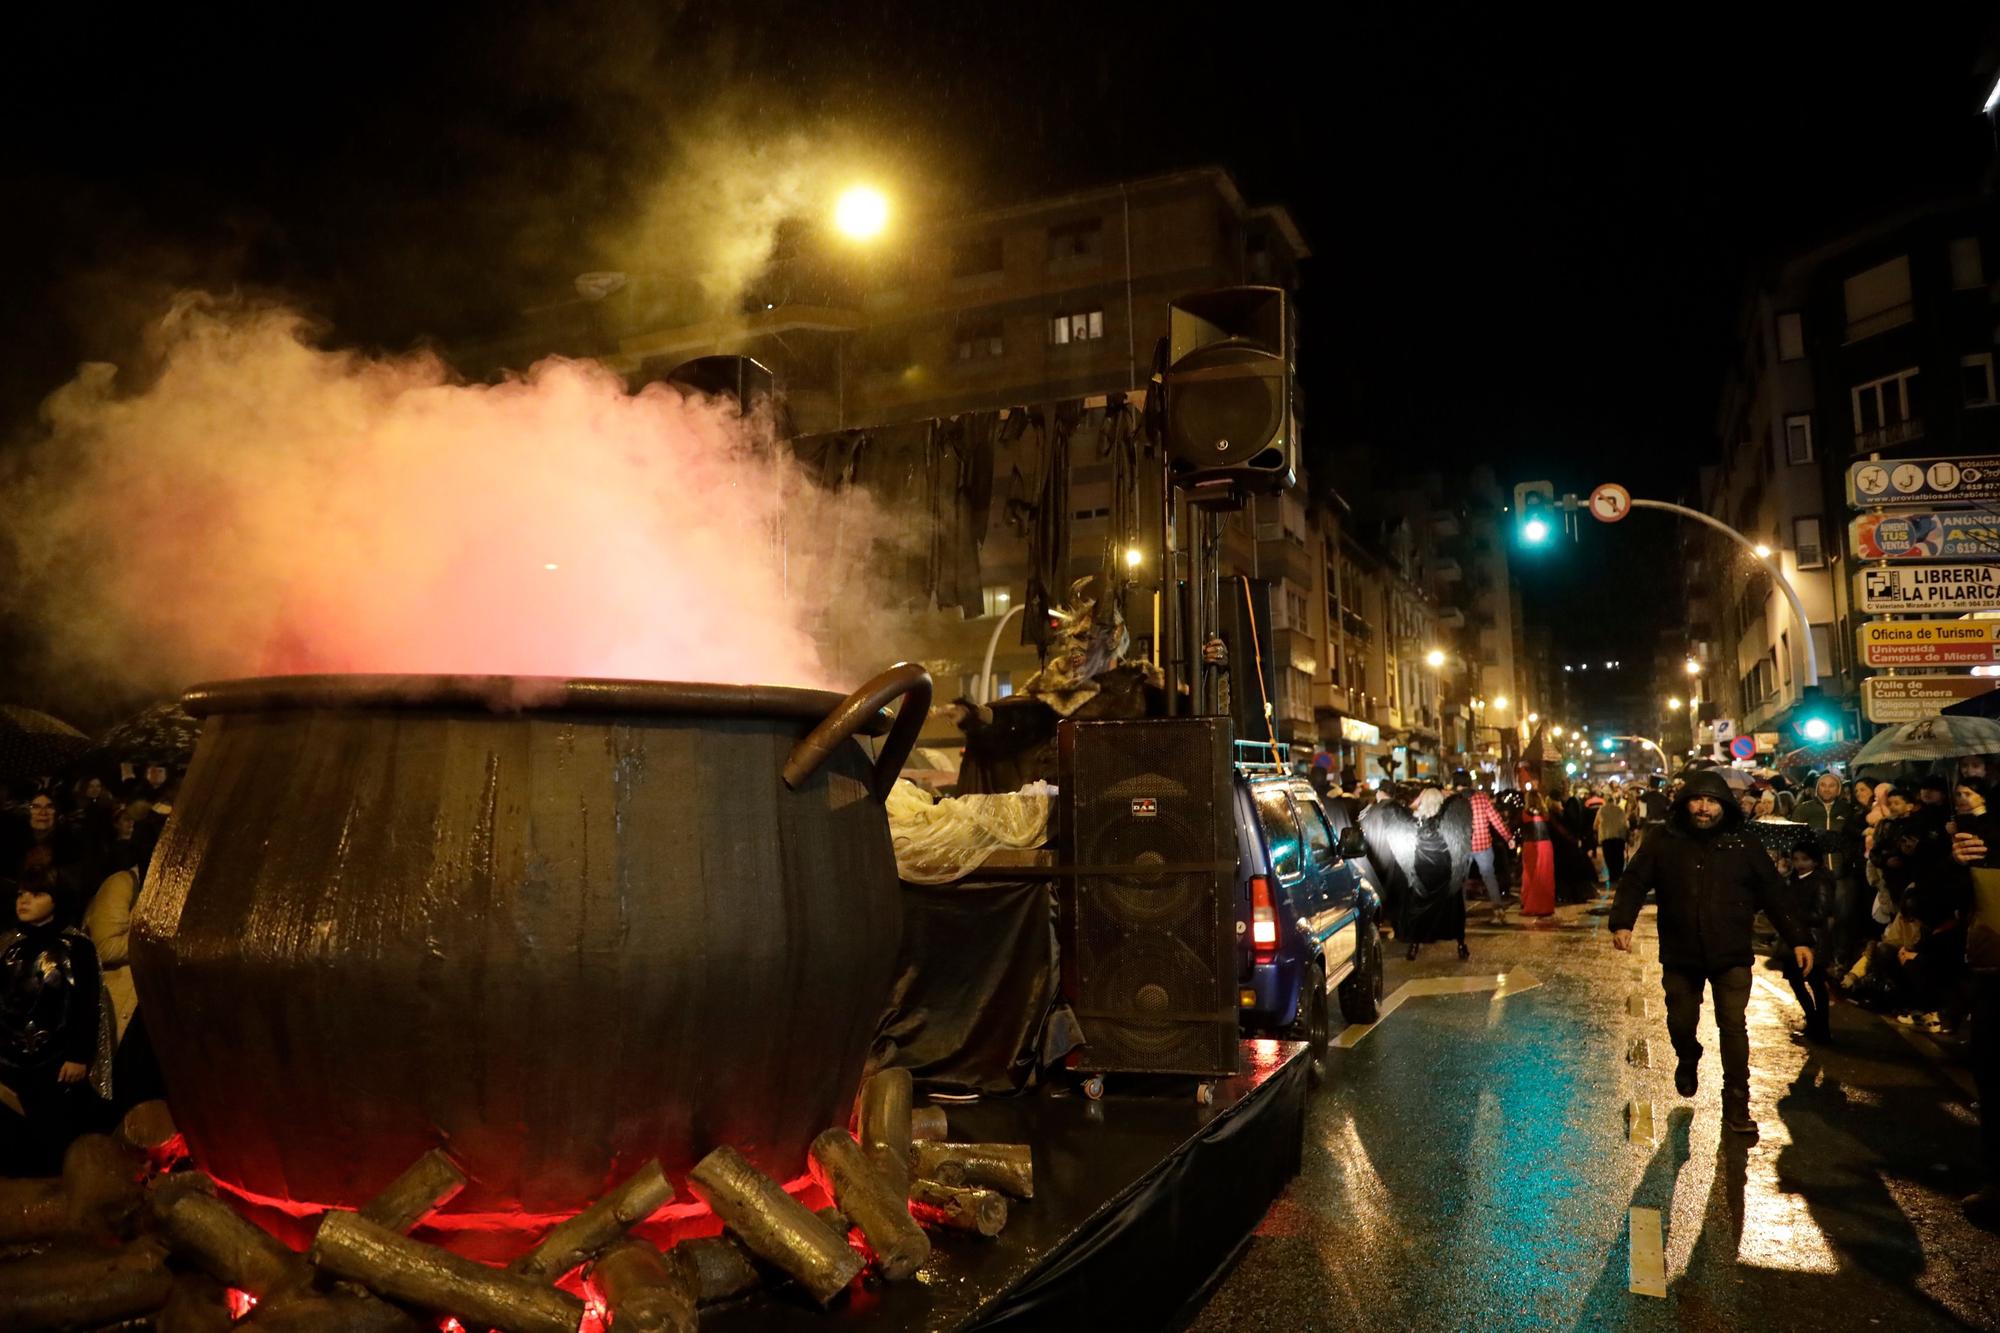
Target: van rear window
[[1281, 831]]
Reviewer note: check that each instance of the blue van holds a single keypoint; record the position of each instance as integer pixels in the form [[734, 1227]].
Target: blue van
[[1305, 915]]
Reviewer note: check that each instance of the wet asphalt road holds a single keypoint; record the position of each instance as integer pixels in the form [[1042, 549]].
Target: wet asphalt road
[[1467, 1165]]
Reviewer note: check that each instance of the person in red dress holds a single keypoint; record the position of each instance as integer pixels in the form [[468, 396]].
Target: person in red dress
[[1538, 858]]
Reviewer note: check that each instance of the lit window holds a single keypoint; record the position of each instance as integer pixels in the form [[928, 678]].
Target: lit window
[[1878, 299], [1798, 439], [1967, 272], [1976, 379], [1075, 240], [978, 341], [1082, 326], [1791, 337]]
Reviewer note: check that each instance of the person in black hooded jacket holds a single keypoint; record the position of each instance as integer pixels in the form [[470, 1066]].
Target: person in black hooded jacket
[[1711, 879]]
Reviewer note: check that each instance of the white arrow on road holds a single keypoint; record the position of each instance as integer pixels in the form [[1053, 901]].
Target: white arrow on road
[[1506, 983]]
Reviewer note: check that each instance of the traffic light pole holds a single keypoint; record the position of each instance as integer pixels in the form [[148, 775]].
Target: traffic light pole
[[1770, 563], [1651, 745]]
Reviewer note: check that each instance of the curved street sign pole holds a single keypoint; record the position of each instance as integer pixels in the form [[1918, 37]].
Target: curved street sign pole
[[1649, 744], [1770, 563]]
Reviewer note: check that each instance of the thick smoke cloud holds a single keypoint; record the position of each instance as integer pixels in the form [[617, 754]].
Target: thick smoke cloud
[[266, 505]]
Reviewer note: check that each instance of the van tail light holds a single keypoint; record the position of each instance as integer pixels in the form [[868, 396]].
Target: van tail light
[[1263, 921]]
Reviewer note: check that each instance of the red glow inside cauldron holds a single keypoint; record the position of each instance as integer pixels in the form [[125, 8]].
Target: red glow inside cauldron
[[501, 1237]]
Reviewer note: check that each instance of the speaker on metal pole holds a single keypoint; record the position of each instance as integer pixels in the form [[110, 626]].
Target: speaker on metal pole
[[1149, 945], [1230, 391]]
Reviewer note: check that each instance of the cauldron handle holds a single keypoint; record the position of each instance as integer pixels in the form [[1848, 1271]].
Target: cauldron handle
[[907, 680]]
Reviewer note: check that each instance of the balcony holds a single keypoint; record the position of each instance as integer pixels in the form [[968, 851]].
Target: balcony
[[1446, 570], [1287, 559], [1891, 436], [1880, 322], [1451, 617]]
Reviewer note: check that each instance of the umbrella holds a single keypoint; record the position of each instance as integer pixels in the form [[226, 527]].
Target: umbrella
[[1813, 756], [1780, 835], [1930, 738], [34, 744], [162, 734], [1734, 778]]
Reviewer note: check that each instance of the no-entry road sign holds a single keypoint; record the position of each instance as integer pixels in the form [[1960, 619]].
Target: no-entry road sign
[[1930, 588], [1904, 481], [1907, 698], [1610, 502], [1886, 643]]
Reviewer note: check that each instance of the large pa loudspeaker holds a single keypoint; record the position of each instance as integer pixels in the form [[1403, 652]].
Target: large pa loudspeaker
[[1148, 915], [1230, 390]]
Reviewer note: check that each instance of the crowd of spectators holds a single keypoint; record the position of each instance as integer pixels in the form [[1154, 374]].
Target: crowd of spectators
[[73, 1049]]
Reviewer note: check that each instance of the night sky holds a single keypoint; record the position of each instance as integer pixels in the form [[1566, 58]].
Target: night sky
[[1530, 233]]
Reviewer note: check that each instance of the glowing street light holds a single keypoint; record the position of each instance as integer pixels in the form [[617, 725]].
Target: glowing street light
[[861, 213], [1674, 704], [1763, 551], [1499, 701], [1534, 718], [1434, 658], [1558, 732], [1134, 557], [1693, 667]]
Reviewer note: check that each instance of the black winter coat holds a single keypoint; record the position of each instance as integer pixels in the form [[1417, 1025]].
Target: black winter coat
[[1710, 887]]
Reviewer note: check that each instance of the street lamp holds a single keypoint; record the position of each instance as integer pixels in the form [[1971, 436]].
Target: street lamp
[[1499, 701], [1134, 557], [1763, 551], [1692, 667], [861, 212], [1434, 658], [1674, 704]]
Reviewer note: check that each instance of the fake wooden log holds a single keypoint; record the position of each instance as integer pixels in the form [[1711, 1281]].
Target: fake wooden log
[[715, 1268], [877, 1207], [33, 1209], [959, 1207], [430, 1183], [149, 1128], [350, 1246], [207, 1231], [338, 1312], [885, 1126], [582, 1237], [643, 1292], [101, 1184], [97, 1193], [1007, 1167], [166, 1190], [84, 1289], [928, 1122], [198, 1304], [773, 1225]]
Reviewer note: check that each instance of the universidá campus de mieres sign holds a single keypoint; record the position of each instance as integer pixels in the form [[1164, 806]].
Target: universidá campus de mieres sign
[[1893, 643]]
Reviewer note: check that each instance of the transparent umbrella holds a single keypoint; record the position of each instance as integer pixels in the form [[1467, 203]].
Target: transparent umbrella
[[1930, 738]]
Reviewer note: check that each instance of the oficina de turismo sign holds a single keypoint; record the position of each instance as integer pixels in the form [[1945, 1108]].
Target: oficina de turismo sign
[[1926, 536]]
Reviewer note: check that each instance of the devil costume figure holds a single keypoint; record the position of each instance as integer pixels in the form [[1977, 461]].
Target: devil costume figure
[[1432, 847], [50, 1025]]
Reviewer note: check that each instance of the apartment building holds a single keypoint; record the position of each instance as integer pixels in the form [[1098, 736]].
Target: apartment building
[[1878, 345]]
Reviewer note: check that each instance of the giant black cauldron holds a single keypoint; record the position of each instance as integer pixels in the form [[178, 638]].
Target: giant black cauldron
[[554, 927]]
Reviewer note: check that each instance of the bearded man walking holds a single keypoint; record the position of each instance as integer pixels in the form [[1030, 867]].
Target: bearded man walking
[[1711, 879]]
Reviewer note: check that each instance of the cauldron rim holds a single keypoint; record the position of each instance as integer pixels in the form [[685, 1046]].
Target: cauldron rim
[[507, 695]]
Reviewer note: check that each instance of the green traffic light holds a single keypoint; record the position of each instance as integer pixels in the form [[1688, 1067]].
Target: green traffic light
[[1535, 531], [1817, 729]]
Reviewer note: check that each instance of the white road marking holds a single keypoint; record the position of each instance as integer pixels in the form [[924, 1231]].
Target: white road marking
[[1506, 983], [1647, 1270], [1639, 1124]]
